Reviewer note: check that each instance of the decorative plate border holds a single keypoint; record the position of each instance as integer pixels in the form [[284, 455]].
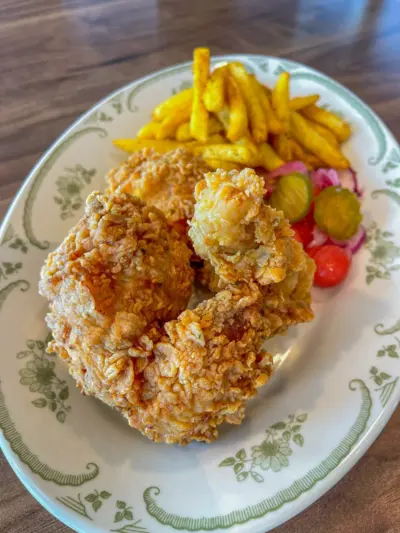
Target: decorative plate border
[[343, 451]]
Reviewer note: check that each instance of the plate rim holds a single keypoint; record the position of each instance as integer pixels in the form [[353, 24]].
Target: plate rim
[[357, 451]]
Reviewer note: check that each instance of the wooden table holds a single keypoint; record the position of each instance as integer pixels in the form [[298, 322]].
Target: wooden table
[[58, 58]]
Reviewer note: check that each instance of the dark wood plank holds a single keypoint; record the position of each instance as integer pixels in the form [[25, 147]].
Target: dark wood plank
[[58, 58]]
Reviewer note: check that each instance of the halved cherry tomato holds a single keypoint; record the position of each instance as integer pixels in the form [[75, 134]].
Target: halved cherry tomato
[[304, 230], [333, 265], [313, 250]]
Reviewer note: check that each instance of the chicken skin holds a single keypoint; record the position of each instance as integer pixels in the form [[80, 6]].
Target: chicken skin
[[118, 286]]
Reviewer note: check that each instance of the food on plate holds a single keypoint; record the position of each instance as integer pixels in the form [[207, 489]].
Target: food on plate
[[237, 119], [337, 212], [234, 104], [292, 195], [308, 137], [117, 286], [280, 100], [199, 115], [214, 94], [119, 273], [176, 104], [164, 180], [300, 102], [120, 283], [332, 264], [331, 121], [257, 119], [238, 233]]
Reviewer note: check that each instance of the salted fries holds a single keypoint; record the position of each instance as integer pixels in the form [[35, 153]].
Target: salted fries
[[233, 120]]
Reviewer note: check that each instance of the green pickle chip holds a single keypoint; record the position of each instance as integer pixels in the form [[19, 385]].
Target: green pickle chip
[[337, 213], [293, 195]]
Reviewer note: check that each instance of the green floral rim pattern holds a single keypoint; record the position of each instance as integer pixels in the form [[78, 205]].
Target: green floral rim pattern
[[40, 376], [123, 514], [41, 173], [385, 254], [298, 487], [14, 438], [272, 453], [70, 186]]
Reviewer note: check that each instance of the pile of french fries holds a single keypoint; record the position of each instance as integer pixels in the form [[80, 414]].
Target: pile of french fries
[[233, 120]]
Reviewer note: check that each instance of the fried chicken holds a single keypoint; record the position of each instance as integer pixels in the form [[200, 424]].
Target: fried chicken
[[242, 237], [119, 280], [120, 272], [164, 180]]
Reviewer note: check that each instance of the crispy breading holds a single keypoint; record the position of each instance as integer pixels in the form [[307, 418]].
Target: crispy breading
[[241, 236], [164, 180], [119, 280], [120, 270]]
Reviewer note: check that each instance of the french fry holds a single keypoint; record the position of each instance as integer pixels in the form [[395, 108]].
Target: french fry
[[183, 132], [169, 125], [227, 152], [134, 145], [257, 118], [217, 138], [149, 131], [280, 100], [273, 123], [331, 121], [298, 153], [214, 94], [324, 132], [237, 121], [299, 102], [225, 165], [199, 116], [256, 156], [305, 135], [214, 126], [282, 146], [270, 160], [179, 101]]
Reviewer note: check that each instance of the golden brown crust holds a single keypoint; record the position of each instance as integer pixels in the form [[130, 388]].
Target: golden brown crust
[[120, 270], [164, 180], [242, 237]]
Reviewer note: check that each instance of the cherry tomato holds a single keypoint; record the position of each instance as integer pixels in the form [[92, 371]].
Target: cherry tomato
[[313, 250], [304, 230], [333, 264]]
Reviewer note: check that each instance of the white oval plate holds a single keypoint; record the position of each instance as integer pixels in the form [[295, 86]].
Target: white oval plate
[[336, 385]]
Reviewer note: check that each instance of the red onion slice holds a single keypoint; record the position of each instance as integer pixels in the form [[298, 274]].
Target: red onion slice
[[288, 168], [325, 177], [348, 180], [319, 237], [354, 244]]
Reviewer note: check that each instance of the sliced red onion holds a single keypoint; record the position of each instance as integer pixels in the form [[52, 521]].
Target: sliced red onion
[[348, 180], [288, 168], [325, 177], [354, 244], [319, 237]]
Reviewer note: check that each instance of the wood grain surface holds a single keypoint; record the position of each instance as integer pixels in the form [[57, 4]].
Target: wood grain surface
[[59, 57]]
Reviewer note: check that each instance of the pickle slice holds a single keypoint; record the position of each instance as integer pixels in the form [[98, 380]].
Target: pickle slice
[[337, 212], [293, 195]]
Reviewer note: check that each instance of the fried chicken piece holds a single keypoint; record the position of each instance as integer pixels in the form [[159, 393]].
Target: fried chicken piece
[[119, 273], [164, 180], [242, 237]]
